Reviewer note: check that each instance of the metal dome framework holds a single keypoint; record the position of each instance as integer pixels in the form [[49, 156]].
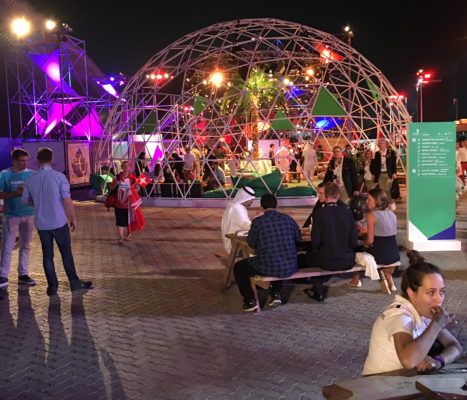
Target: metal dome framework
[[246, 81]]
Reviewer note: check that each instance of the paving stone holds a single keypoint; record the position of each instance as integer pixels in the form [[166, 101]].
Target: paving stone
[[158, 324]]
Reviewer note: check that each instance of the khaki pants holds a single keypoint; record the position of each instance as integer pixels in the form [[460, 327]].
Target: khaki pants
[[385, 183]]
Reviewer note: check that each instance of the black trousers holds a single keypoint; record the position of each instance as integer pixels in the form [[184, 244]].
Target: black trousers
[[243, 271]]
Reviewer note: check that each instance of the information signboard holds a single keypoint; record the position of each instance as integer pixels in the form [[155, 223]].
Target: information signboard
[[431, 188]]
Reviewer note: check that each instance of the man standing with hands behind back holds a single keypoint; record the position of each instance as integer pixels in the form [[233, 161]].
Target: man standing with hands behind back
[[49, 192], [18, 218]]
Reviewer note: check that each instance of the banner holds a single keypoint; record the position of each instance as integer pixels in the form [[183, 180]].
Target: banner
[[431, 190], [78, 163]]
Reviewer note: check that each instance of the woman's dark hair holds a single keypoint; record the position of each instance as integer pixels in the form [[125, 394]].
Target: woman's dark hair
[[413, 276], [381, 198]]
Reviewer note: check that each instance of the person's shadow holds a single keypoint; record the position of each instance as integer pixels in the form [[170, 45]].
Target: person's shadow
[[22, 348], [74, 368]]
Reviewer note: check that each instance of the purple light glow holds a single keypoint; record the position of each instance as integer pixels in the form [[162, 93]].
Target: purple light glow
[[110, 89], [89, 126]]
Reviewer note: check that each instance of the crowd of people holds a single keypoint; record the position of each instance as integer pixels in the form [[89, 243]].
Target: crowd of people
[[410, 333]]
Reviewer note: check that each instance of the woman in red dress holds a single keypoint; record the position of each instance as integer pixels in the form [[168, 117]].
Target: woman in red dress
[[127, 206]]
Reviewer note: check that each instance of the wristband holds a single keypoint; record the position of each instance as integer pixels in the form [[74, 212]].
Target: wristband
[[440, 359]]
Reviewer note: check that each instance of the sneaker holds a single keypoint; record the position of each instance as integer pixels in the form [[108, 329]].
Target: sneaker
[[3, 282], [249, 306], [275, 300], [82, 285], [26, 280]]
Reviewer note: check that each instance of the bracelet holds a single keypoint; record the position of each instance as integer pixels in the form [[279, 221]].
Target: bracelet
[[440, 359]]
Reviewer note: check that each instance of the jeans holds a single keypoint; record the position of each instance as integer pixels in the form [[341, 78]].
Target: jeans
[[11, 227], [63, 239], [243, 271]]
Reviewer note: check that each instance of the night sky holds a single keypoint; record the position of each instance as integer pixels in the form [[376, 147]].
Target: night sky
[[398, 37]]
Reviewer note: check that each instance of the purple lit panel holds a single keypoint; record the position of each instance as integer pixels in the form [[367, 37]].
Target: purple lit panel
[[56, 113], [50, 64], [89, 126]]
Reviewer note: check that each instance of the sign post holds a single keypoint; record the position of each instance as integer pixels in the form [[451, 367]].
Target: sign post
[[431, 187]]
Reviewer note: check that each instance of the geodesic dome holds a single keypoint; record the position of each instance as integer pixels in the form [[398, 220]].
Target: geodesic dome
[[231, 90]]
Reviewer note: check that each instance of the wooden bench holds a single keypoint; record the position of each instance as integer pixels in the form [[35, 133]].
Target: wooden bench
[[263, 281]]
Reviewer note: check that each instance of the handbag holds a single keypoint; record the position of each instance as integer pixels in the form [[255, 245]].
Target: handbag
[[111, 199], [395, 192]]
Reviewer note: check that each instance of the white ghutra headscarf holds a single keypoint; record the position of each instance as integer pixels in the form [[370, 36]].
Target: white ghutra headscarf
[[235, 216]]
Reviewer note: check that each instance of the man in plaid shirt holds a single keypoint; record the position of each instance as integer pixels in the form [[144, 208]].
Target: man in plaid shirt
[[274, 236]]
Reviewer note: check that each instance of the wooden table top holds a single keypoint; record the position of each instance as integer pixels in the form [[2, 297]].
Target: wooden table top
[[403, 385]]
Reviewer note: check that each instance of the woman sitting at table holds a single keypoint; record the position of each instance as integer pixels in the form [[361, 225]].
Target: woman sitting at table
[[381, 233], [411, 332]]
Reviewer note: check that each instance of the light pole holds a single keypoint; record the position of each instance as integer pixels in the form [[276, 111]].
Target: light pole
[[349, 35]]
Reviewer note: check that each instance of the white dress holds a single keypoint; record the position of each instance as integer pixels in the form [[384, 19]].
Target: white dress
[[310, 161]]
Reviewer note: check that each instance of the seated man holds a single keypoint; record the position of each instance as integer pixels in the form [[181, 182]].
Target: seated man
[[318, 205], [274, 236], [213, 179], [235, 216], [333, 239]]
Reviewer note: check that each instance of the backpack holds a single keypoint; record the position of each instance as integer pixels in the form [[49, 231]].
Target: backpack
[[356, 207]]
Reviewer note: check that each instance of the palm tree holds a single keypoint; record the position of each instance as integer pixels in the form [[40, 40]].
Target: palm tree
[[245, 98]]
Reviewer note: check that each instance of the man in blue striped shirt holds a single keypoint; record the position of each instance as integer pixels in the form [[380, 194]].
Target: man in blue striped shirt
[[274, 236]]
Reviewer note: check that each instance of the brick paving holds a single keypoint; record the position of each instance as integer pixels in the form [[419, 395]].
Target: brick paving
[[159, 326]]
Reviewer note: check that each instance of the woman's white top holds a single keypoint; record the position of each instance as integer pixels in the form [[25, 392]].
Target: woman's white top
[[400, 316]]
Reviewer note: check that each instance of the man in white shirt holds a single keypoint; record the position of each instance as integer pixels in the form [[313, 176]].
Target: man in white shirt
[[235, 216], [188, 163]]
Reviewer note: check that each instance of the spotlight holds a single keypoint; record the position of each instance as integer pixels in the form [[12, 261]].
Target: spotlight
[[50, 25], [21, 27], [67, 27], [112, 78], [216, 78]]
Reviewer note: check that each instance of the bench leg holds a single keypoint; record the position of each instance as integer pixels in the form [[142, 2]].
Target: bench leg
[[231, 263], [255, 292], [384, 283]]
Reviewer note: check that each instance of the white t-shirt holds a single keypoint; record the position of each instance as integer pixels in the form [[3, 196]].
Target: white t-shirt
[[188, 161], [383, 161], [400, 316]]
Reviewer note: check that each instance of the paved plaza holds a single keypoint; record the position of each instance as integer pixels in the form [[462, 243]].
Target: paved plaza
[[158, 324]]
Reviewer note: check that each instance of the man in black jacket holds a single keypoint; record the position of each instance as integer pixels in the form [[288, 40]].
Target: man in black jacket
[[334, 238], [341, 170], [384, 166]]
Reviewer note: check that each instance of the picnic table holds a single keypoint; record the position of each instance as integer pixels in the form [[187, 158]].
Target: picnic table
[[446, 383]]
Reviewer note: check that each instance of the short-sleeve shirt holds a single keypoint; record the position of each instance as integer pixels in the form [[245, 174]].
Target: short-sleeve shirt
[[400, 316], [188, 161], [9, 182], [47, 189]]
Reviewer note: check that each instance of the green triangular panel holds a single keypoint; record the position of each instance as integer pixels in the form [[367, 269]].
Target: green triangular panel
[[200, 105], [327, 106], [149, 125], [281, 123], [374, 91]]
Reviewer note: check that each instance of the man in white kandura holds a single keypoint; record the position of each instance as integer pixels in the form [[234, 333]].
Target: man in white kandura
[[235, 216]]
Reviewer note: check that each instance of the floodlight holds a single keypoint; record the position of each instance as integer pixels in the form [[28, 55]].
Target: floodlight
[[21, 27], [216, 78], [50, 25]]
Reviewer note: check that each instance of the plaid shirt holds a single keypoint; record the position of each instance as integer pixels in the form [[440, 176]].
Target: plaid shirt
[[274, 237]]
